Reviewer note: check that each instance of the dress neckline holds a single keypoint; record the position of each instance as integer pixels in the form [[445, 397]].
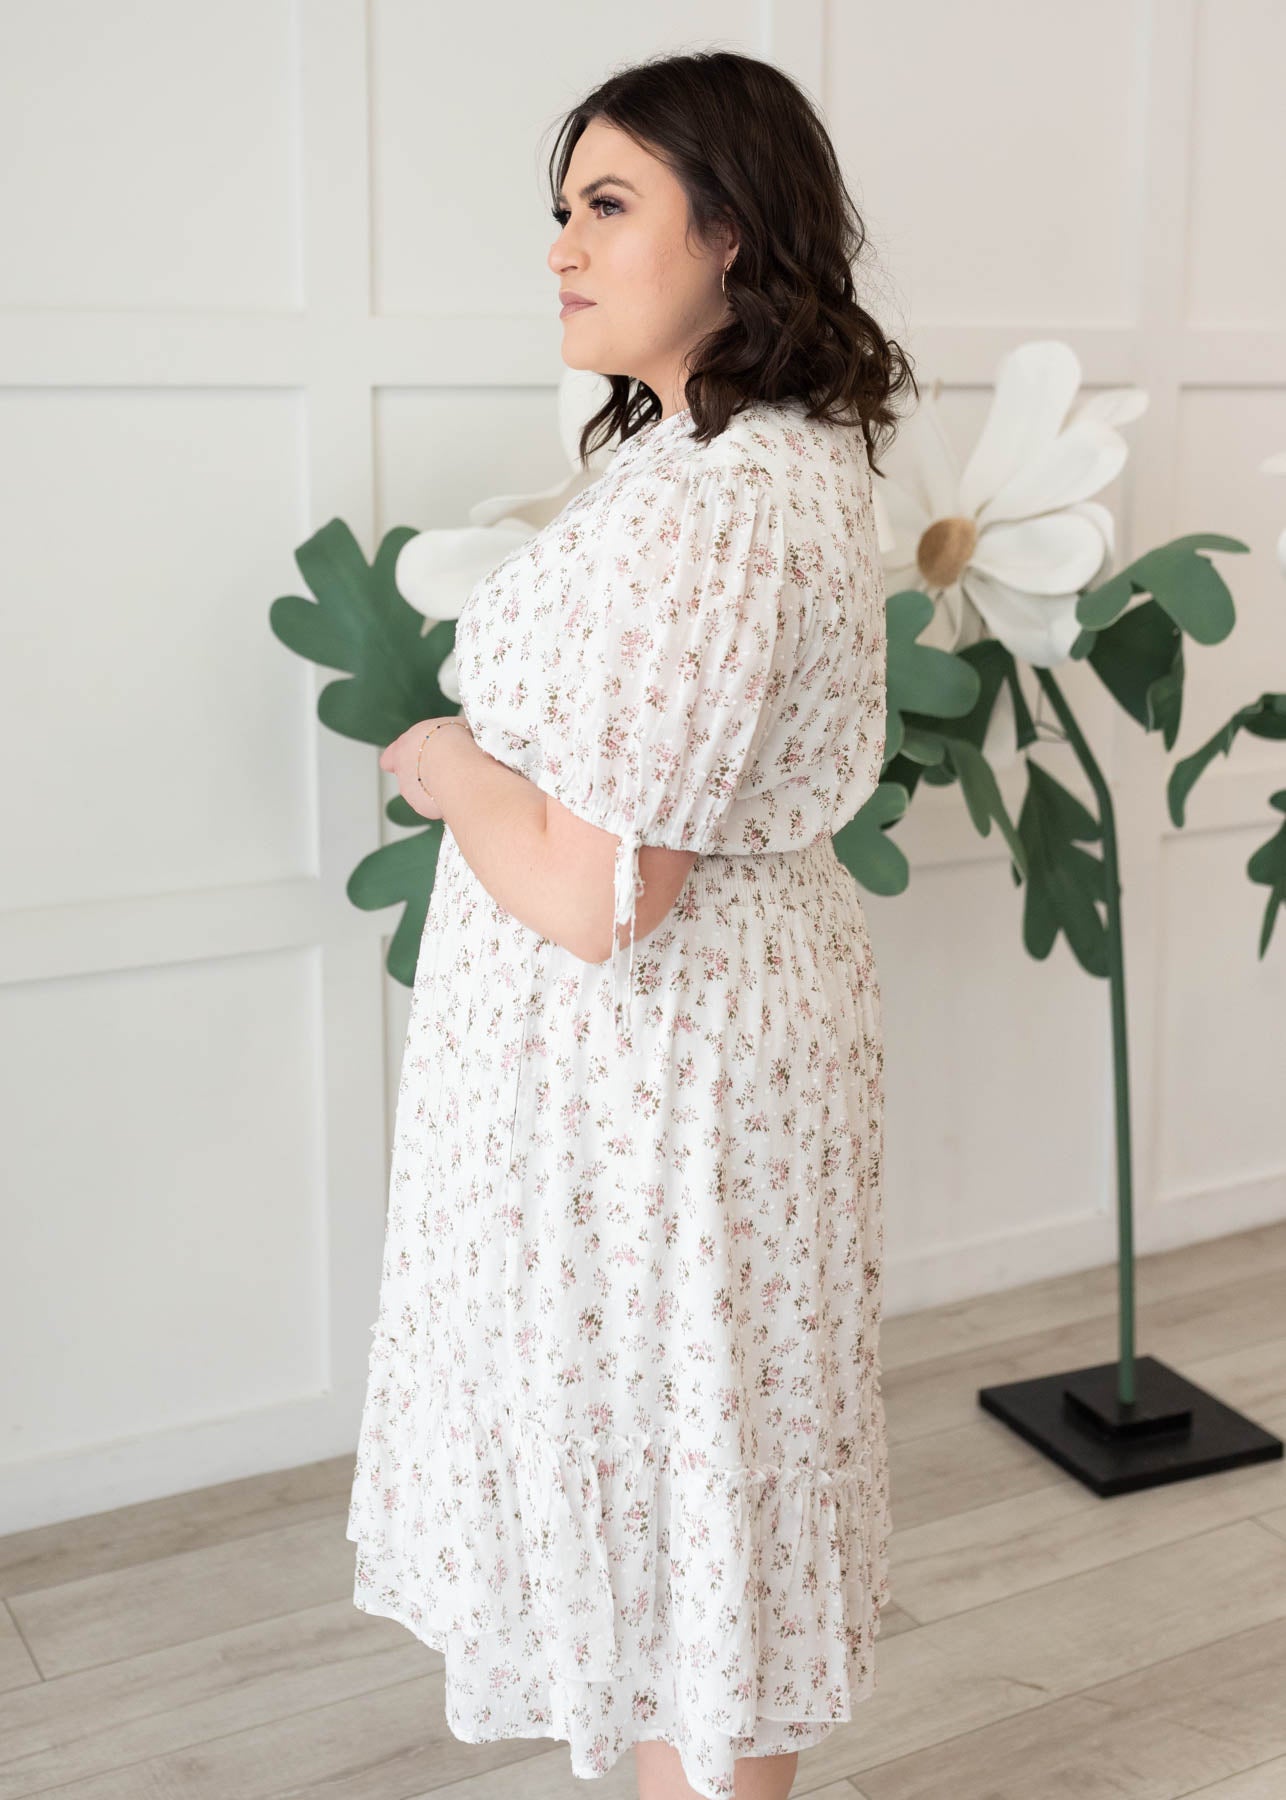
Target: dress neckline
[[655, 431], [655, 426], [677, 424]]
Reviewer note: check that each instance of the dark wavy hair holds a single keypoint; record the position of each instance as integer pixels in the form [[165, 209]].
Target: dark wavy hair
[[749, 148]]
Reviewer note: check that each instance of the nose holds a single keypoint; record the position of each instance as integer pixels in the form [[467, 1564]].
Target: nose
[[564, 253]]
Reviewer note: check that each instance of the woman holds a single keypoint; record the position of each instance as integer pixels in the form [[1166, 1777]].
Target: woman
[[623, 1453]]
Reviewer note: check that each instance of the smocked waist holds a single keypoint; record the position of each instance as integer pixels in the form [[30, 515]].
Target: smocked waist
[[786, 876]]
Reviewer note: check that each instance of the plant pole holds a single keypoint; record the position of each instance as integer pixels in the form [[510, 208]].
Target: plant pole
[[1120, 1060]]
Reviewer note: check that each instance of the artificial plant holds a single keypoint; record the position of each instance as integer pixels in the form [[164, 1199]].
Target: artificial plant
[[1010, 554]]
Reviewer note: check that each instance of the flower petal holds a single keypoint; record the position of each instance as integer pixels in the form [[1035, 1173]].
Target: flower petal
[[924, 466], [447, 678], [437, 570], [1113, 406], [1079, 462], [1035, 385], [900, 522], [1100, 516], [1052, 554], [885, 539], [929, 468], [531, 510], [944, 630], [1039, 629]]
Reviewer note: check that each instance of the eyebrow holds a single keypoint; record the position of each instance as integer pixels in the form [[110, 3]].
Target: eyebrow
[[602, 181]]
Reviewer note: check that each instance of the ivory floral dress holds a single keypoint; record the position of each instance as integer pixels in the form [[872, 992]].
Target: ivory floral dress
[[623, 1457]]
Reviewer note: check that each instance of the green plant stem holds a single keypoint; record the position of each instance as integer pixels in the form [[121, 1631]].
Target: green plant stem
[[1120, 1070]]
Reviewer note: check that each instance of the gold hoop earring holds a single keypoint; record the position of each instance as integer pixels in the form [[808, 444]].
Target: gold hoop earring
[[723, 279]]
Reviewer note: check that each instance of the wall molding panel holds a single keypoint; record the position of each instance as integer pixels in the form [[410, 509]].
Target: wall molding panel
[[299, 273]]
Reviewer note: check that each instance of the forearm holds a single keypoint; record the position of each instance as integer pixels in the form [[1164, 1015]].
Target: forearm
[[499, 821]]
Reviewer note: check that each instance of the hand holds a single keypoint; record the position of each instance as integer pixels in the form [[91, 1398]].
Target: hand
[[400, 757]]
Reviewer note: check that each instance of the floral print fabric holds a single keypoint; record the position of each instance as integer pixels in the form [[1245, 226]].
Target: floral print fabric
[[623, 1456]]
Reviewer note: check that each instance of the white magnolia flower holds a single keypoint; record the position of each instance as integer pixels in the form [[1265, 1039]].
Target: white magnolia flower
[[438, 569], [1006, 544], [1276, 465]]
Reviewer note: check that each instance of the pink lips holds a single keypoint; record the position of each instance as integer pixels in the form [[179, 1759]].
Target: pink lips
[[573, 302]]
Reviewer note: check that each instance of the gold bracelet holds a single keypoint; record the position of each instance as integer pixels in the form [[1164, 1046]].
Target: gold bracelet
[[450, 719]]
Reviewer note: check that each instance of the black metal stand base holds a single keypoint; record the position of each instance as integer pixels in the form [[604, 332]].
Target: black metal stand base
[[1172, 1431]]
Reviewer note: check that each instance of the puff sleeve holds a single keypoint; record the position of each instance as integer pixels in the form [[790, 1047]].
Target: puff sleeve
[[684, 655]]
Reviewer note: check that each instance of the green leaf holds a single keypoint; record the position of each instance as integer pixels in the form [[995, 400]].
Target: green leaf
[[360, 623], [865, 848], [922, 746], [401, 812], [400, 871], [983, 798], [1065, 885], [1268, 864], [1025, 728], [993, 665], [920, 679], [923, 686], [943, 775], [1265, 717], [1165, 699], [940, 756], [1139, 660], [1082, 645], [1184, 584]]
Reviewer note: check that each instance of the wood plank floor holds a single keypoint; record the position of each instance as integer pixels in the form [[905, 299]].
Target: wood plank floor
[[1043, 1645]]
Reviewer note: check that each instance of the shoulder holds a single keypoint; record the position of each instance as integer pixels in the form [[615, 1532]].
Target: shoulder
[[774, 451], [808, 480]]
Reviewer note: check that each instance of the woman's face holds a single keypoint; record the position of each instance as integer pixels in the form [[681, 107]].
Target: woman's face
[[625, 247]]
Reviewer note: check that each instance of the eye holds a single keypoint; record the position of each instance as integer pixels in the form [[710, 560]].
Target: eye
[[561, 214]]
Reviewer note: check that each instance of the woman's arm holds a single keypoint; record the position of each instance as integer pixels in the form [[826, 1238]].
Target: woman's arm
[[549, 868]]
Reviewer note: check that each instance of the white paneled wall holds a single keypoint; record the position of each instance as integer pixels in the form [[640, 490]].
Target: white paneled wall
[[269, 263]]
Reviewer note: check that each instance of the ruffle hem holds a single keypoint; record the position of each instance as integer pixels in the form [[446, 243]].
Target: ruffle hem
[[640, 1591]]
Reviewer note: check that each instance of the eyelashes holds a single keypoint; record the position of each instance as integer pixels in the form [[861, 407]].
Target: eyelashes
[[561, 214]]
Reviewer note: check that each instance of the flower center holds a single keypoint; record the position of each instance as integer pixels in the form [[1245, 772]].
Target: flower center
[[944, 550]]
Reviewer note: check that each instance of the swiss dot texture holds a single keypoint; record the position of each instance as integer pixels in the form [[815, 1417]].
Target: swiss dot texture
[[623, 1456]]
